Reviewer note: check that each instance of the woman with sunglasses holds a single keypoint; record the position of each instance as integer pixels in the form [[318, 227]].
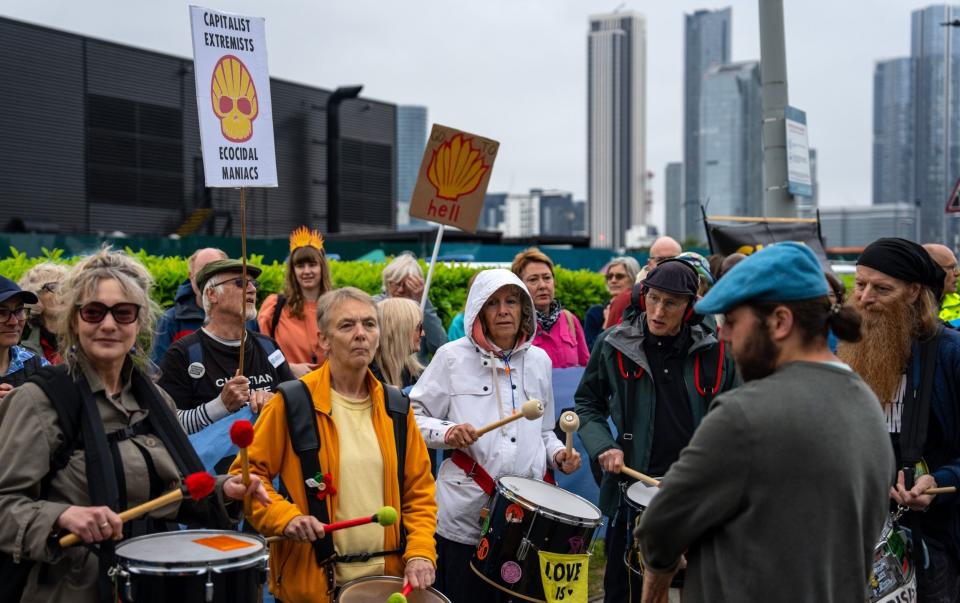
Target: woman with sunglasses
[[401, 327], [133, 449], [620, 273], [291, 317], [40, 333]]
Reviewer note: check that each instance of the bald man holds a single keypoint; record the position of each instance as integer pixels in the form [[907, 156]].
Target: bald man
[[943, 256], [662, 249]]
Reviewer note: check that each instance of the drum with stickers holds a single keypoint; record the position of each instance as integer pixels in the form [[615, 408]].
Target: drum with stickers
[[638, 497], [526, 516], [892, 577], [191, 566], [377, 589]]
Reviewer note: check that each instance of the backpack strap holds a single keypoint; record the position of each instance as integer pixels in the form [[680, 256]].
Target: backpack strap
[[277, 311], [305, 440], [916, 413], [266, 343], [64, 396], [398, 406]]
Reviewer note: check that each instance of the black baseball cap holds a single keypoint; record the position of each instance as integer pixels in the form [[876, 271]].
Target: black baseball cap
[[10, 289]]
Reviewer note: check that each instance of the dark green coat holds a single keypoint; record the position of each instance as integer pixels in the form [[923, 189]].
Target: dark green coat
[[603, 388]]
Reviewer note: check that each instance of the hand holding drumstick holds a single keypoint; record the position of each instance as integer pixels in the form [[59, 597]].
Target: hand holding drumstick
[[463, 435]]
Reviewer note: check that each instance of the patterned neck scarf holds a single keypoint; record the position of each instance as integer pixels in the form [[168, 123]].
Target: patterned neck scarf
[[547, 319]]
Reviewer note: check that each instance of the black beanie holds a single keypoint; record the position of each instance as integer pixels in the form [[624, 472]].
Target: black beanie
[[904, 260], [674, 276]]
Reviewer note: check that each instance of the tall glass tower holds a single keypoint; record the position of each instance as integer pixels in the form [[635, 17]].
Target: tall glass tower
[[411, 142], [893, 144]]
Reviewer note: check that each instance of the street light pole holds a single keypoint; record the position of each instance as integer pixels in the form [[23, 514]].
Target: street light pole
[[333, 153]]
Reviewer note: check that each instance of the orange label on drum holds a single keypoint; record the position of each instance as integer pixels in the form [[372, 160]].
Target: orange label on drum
[[224, 543], [483, 549]]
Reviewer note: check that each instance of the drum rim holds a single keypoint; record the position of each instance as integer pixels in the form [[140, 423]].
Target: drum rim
[[558, 515], [138, 566], [389, 579]]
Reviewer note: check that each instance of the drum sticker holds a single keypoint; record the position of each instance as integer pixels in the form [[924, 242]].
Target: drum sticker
[[564, 577], [511, 572], [577, 545], [514, 514], [196, 370], [224, 543], [483, 549]]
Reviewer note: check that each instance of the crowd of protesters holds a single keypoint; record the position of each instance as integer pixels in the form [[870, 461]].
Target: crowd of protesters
[[782, 411]]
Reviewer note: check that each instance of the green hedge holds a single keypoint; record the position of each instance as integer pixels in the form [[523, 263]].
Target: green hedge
[[576, 290]]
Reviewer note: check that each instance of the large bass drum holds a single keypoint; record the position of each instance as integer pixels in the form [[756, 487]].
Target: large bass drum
[[526, 516], [191, 566]]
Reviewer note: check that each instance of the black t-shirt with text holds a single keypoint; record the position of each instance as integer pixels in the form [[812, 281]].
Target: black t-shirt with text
[[191, 384]]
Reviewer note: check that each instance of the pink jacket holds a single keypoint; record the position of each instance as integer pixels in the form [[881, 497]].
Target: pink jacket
[[565, 349]]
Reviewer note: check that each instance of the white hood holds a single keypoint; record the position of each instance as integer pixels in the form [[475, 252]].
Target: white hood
[[485, 285]]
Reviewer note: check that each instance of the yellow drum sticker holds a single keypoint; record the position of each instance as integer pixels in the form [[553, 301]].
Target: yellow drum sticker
[[564, 577]]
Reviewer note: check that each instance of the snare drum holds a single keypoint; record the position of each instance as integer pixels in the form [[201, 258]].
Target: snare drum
[[526, 516], [638, 498], [191, 566], [892, 576], [376, 589]]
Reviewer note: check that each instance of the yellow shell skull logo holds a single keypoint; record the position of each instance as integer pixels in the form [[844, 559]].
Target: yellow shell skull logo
[[234, 99], [456, 168]]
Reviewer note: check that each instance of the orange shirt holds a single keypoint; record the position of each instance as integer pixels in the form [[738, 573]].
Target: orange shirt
[[297, 337]]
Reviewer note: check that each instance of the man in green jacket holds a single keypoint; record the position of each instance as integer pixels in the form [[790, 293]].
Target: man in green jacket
[[654, 375]]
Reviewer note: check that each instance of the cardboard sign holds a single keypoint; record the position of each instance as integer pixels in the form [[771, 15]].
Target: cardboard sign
[[233, 99], [564, 576], [453, 178]]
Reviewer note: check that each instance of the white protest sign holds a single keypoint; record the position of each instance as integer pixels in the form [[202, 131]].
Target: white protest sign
[[233, 99]]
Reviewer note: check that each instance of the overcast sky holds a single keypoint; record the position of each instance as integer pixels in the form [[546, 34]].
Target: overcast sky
[[515, 70]]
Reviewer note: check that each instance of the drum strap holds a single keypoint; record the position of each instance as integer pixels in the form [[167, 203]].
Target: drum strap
[[474, 471]]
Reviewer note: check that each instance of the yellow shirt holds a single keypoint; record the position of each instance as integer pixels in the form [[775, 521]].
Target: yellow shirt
[[360, 489]]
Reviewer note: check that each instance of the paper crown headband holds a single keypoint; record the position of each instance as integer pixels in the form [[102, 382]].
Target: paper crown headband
[[302, 237]]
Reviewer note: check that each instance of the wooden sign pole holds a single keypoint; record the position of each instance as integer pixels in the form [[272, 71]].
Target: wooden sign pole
[[243, 273]]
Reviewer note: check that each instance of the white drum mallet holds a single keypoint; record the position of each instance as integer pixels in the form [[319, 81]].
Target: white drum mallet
[[569, 423], [530, 410]]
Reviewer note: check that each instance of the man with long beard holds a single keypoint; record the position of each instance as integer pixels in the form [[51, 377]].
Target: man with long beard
[[781, 493], [896, 290]]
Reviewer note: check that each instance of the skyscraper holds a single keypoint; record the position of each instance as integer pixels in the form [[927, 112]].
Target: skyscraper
[[673, 200], [731, 153], [706, 44], [935, 51], [411, 142], [616, 126], [893, 144]]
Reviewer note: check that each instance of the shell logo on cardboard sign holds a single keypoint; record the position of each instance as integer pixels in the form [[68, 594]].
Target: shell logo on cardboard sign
[[234, 98], [456, 168]]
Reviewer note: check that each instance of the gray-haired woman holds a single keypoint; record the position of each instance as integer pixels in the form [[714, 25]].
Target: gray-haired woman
[[620, 273], [133, 446]]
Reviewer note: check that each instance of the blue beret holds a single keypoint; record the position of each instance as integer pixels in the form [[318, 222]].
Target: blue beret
[[782, 272]]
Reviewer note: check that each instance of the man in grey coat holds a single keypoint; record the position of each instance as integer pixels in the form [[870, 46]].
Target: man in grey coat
[[783, 489]]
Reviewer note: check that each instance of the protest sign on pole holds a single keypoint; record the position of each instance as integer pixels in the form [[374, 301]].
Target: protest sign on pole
[[453, 178], [233, 99]]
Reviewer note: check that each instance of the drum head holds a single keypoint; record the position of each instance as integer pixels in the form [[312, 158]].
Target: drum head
[[189, 548], [640, 495], [376, 589], [551, 497]]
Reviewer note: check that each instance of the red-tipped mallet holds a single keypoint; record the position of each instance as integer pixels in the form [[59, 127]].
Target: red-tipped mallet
[[401, 597], [196, 485], [241, 434]]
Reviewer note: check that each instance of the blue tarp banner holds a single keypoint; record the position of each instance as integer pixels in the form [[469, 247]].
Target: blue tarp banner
[[213, 443]]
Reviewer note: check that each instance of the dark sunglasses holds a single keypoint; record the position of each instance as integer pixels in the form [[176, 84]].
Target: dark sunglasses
[[238, 283], [19, 313], [615, 276], [123, 313]]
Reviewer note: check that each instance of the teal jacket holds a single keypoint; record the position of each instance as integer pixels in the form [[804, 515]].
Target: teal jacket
[[603, 388]]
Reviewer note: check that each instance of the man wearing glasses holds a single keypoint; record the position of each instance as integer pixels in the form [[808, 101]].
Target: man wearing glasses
[[17, 363], [949, 301], [653, 375], [199, 371]]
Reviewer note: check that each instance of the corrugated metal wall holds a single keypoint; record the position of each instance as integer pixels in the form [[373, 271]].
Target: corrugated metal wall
[[64, 161]]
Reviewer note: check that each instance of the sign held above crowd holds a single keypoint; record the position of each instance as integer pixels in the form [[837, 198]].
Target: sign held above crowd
[[453, 178], [233, 99]]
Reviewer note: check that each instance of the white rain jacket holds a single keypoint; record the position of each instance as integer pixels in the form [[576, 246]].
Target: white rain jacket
[[458, 387]]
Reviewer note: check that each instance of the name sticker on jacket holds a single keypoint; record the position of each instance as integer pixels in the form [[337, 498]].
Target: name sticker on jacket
[[276, 358]]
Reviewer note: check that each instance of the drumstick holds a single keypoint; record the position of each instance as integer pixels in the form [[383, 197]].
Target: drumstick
[[386, 516], [241, 434], [569, 423], [401, 597], [942, 490], [197, 485], [640, 476], [530, 410]]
